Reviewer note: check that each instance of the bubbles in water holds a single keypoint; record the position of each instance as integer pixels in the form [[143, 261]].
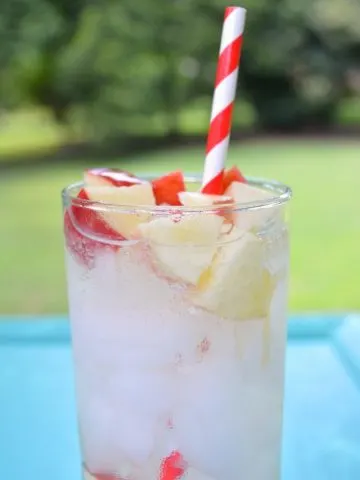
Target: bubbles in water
[[157, 375]]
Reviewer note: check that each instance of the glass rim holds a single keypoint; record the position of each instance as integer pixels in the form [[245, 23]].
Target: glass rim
[[282, 194]]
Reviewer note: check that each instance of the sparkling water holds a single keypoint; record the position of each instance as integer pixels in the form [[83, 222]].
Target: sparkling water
[[155, 374]]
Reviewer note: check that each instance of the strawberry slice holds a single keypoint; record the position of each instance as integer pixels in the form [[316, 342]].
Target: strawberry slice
[[173, 467], [111, 177], [167, 188], [233, 174], [91, 222]]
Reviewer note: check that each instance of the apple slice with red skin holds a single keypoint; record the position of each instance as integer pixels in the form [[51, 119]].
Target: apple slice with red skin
[[126, 213], [110, 177], [83, 219], [82, 247], [198, 199], [89, 220], [167, 188], [231, 175]]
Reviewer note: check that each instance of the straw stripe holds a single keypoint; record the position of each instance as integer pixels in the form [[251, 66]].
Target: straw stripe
[[223, 96], [223, 100], [228, 60], [233, 27], [220, 128], [217, 152], [214, 185], [229, 10]]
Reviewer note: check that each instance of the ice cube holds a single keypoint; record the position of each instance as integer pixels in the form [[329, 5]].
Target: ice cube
[[207, 419], [193, 474], [227, 414]]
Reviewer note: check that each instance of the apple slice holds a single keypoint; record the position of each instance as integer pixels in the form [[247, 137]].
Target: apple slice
[[245, 193], [79, 222], [167, 188], [231, 175], [91, 222], [107, 177], [80, 246], [184, 247], [198, 199], [124, 224], [237, 285]]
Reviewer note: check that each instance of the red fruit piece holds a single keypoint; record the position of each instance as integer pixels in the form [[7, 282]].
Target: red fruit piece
[[167, 188], [111, 177], [90, 222], [82, 247], [173, 467], [233, 174]]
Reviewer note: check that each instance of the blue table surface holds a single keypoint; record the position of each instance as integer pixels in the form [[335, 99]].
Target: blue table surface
[[38, 433]]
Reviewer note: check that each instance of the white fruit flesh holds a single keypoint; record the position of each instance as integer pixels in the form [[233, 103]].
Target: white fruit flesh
[[244, 193], [197, 199], [136, 195], [237, 285], [93, 179], [184, 248]]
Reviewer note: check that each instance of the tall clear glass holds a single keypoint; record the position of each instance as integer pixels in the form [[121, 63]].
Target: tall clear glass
[[179, 333]]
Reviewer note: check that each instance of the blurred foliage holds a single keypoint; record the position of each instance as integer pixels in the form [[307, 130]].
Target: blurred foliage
[[109, 66]]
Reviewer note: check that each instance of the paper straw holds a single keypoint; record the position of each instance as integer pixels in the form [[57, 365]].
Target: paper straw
[[223, 100], [218, 140]]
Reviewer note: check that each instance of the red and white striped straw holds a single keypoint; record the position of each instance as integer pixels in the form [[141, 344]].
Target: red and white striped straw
[[223, 100]]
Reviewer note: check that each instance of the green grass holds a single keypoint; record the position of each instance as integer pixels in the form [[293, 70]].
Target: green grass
[[324, 212], [29, 131]]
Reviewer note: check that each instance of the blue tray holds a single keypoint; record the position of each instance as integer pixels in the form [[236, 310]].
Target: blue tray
[[38, 436]]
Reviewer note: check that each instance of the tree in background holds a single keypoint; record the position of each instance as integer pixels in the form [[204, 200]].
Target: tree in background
[[41, 57], [154, 60], [133, 66], [297, 56]]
